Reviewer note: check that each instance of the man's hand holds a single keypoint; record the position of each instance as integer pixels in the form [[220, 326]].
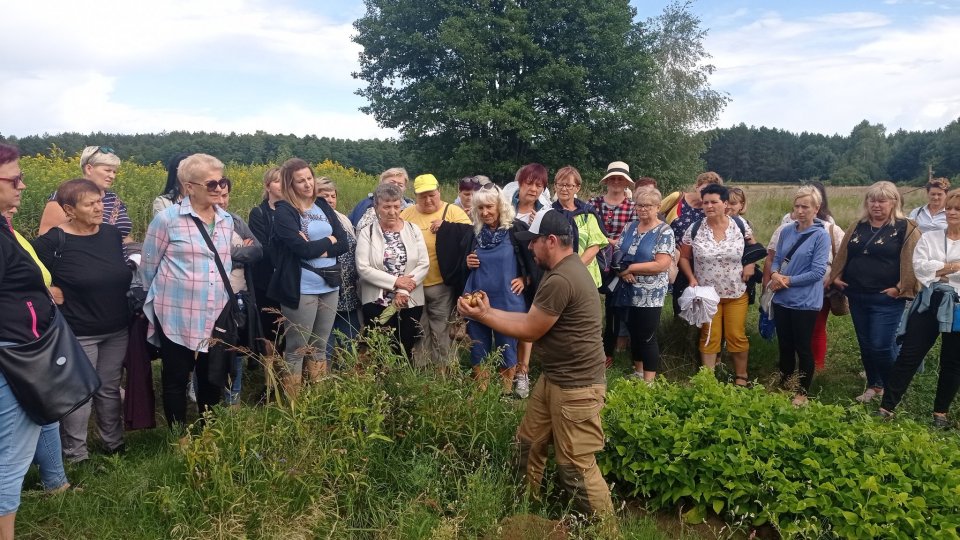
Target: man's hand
[[477, 312]]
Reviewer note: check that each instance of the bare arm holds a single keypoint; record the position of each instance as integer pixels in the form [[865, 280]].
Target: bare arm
[[53, 216], [523, 326], [589, 254], [686, 255]]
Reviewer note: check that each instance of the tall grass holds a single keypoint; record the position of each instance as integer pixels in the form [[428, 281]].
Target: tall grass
[[377, 450]]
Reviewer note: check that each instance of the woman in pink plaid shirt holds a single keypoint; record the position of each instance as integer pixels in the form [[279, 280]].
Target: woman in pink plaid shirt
[[185, 293]]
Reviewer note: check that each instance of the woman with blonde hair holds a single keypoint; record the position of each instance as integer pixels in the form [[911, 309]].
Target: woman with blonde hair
[[497, 267], [796, 277], [874, 269], [98, 164], [646, 250], [185, 292]]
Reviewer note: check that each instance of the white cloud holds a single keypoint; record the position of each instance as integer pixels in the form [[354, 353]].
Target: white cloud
[[73, 62], [829, 72]]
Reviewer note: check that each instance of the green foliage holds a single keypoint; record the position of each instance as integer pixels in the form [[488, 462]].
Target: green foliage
[[490, 85], [821, 470], [137, 185], [369, 155]]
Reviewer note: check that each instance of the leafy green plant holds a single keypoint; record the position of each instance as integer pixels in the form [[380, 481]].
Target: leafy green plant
[[748, 454]]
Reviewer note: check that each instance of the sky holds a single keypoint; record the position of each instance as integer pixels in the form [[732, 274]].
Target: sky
[[284, 66]]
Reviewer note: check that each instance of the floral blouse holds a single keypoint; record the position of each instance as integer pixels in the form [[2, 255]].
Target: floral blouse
[[349, 299], [717, 263], [686, 216], [394, 260], [650, 291]]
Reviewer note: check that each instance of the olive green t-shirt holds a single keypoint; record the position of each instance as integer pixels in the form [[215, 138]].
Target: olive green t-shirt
[[572, 350]]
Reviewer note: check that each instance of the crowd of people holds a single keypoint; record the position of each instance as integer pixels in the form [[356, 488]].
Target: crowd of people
[[309, 278]]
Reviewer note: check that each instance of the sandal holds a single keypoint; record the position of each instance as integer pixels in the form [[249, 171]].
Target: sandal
[[746, 381]]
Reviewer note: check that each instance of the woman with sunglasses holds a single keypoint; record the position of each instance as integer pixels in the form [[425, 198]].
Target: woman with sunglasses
[[23, 300], [185, 293], [98, 164], [307, 239]]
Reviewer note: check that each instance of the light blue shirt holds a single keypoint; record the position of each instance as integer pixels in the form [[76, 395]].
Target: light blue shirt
[[315, 225]]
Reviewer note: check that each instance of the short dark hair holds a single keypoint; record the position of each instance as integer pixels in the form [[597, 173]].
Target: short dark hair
[[71, 191], [716, 189], [229, 184], [646, 181], [8, 153]]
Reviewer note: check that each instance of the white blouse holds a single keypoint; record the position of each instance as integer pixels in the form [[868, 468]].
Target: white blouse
[[932, 253], [717, 262]]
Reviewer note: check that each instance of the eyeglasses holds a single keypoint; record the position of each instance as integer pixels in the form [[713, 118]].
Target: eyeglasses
[[212, 185], [565, 186], [648, 206], [17, 180]]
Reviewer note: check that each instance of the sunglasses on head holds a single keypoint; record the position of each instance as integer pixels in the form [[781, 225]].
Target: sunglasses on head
[[212, 185], [17, 180], [489, 187]]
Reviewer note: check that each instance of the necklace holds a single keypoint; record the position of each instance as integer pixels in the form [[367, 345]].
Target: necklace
[[866, 246]]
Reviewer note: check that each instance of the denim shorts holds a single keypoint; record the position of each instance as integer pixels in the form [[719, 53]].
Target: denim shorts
[[18, 443]]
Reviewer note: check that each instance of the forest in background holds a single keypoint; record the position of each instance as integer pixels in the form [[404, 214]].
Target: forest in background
[[740, 153]]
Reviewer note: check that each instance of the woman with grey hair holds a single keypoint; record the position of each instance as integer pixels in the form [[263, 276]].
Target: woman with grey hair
[[498, 269], [392, 262], [98, 164]]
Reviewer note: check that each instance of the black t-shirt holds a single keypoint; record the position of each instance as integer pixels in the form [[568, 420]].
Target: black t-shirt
[[94, 278], [873, 257]]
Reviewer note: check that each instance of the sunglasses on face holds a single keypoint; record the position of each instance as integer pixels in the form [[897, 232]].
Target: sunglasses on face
[[17, 180], [212, 185]]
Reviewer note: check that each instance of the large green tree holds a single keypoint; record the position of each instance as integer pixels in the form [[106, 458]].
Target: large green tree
[[486, 85]]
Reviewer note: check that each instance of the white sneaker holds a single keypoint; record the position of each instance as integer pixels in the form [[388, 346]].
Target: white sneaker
[[522, 385]]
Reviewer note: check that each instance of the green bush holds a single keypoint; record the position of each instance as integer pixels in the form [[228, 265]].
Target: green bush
[[750, 456]]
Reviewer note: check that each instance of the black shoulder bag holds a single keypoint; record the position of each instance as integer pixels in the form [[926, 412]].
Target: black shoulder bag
[[226, 329], [50, 376]]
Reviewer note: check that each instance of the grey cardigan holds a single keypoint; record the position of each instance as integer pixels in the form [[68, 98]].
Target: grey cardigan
[[374, 277]]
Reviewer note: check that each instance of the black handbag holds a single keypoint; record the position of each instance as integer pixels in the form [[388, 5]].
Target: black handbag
[[52, 376], [226, 329]]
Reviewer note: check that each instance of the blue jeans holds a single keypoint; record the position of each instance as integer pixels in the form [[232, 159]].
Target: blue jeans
[[49, 457], [347, 323], [484, 341], [231, 396], [18, 443], [875, 320]]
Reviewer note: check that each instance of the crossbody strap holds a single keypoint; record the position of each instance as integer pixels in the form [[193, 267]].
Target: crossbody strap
[[216, 256], [794, 249]]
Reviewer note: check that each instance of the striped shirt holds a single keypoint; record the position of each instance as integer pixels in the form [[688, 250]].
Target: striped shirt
[[114, 212], [185, 293]]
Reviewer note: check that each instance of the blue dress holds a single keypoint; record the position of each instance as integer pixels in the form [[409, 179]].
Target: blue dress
[[498, 267]]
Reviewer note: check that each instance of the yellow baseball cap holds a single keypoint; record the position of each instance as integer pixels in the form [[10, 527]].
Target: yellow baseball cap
[[425, 183]]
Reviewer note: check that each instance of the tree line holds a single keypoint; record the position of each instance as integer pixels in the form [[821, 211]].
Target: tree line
[[367, 155], [864, 156]]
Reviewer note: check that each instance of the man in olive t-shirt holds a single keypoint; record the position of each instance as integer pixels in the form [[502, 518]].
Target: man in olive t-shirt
[[564, 407]]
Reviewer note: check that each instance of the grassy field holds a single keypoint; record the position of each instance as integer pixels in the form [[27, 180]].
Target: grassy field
[[378, 451]]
